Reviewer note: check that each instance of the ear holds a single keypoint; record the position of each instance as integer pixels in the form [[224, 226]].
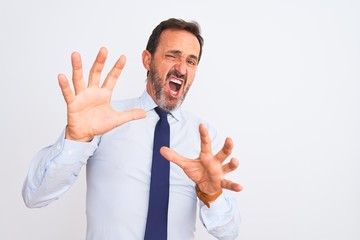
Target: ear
[[146, 59]]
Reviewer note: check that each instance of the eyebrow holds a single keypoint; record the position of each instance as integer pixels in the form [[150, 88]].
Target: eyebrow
[[179, 53]]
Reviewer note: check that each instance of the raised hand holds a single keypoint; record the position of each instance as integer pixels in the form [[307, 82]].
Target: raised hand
[[208, 170], [89, 112]]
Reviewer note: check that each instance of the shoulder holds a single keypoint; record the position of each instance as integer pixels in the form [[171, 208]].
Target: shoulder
[[192, 118], [195, 121]]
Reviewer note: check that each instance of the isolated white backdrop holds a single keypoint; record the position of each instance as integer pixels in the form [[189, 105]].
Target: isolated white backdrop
[[280, 77]]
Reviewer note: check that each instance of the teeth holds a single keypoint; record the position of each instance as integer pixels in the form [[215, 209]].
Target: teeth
[[176, 81]]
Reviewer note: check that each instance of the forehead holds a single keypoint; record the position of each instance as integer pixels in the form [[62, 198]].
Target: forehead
[[179, 40]]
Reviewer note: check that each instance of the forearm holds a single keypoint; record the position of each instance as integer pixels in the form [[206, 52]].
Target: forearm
[[53, 171], [222, 219]]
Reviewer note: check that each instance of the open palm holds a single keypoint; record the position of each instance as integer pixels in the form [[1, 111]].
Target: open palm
[[208, 170], [89, 112]]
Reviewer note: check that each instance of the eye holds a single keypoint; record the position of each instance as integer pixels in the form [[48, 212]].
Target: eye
[[170, 56], [192, 62]]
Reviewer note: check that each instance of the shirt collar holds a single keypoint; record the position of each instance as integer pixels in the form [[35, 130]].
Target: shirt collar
[[148, 104]]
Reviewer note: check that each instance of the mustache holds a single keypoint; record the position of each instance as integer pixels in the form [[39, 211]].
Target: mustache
[[176, 74]]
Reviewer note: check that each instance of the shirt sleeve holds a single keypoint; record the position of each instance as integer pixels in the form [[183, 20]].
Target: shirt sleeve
[[222, 219], [54, 169]]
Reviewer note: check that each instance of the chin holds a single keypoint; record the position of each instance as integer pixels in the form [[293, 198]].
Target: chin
[[170, 105]]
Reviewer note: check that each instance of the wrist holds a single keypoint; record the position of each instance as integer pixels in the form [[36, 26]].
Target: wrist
[[76, 137], [206, 198]]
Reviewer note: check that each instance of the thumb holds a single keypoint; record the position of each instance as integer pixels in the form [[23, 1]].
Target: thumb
[[129, 115]]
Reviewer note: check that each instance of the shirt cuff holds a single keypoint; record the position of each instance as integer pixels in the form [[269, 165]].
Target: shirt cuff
[[222, 219], [219, 205], [69, 152]]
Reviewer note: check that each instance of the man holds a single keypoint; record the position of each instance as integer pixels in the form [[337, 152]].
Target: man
[[115, 141]]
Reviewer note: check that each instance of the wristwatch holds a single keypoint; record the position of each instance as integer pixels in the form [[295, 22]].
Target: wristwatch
[[205, 198]]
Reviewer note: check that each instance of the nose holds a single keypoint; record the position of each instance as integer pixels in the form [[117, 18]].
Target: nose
[[181, 66]]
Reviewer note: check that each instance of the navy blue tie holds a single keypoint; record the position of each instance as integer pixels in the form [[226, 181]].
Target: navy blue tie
[[156, 225]]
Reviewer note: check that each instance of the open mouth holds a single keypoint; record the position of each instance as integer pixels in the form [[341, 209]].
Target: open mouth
[[175, 86]]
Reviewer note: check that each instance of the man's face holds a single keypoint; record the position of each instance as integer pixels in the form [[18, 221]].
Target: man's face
[[172, 68]]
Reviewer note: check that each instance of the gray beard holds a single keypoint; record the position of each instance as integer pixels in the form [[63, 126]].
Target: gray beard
[[158, 86]]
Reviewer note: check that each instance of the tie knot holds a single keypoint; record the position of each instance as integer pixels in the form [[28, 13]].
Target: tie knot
[[161, 113]]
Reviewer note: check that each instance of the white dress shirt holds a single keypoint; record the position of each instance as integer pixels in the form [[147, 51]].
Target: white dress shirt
[[118, 165]]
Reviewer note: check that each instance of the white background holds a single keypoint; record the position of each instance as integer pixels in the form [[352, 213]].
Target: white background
[[281, 78]]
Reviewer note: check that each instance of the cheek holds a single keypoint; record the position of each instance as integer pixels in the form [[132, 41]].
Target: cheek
[[164, 70]]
